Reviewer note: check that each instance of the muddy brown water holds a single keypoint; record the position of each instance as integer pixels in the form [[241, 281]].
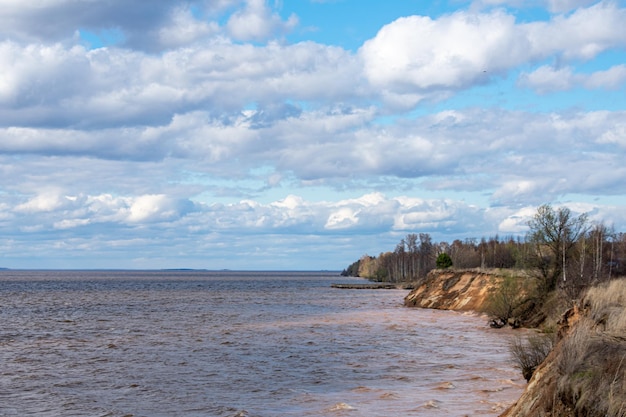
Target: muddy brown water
[[193, 343]]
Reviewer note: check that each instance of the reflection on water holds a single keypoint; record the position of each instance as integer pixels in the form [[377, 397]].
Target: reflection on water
[[239, 344]]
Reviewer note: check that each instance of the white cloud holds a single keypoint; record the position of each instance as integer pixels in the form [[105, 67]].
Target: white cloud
[[150, 26], [38, 75], [147, 207], [521, 154], [615, 134], [517, 222], [561, 6], [70, 224], [521, 189], [431, 215], [144, 25], [453, 51], [164, 227], [185, 29], [145, 144], [343, 218], [371, 212], [46, 201], [547, 79], [55, 85], [57, 20], [257, 22], [612, 78], [553, 6], [419, 56], [581, 35]]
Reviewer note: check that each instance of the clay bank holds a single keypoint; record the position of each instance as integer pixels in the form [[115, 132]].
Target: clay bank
[[460, 290], [584, 374]]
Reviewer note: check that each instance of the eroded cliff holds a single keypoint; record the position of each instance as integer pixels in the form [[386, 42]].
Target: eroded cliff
[[585, 373], [462, 290]]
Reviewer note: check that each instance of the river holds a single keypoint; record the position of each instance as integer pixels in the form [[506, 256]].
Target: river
[[195, 343]]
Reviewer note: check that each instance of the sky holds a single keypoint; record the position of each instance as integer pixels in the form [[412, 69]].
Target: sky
[[300, 134]]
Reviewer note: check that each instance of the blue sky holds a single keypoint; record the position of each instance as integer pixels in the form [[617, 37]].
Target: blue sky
[[250, 134]]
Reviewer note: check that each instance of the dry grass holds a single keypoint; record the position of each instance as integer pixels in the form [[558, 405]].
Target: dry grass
[[607, 304], [592, 361]]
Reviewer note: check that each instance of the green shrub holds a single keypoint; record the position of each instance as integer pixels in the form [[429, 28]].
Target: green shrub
[[443, 261]]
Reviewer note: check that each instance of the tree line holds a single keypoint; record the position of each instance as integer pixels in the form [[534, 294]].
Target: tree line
[[560, 250]]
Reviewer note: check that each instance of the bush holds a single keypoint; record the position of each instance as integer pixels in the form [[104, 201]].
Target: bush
[[528, 354], [443, 261], [506, 299]]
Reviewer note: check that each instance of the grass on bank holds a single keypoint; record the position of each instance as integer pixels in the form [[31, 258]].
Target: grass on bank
[[590, 371], [592, 364]]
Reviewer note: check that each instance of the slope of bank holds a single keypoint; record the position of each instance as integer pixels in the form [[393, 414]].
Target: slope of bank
[[462, 290], [585, 373]]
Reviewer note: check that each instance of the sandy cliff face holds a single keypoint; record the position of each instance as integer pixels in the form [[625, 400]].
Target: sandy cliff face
[[463, 290], [585, 373]]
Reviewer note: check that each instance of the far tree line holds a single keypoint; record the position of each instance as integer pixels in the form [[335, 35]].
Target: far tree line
[[560, 249]]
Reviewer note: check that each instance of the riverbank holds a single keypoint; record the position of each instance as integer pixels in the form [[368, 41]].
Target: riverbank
[[459, 290], [583, 375]]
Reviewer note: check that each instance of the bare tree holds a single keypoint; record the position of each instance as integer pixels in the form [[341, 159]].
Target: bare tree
[[553, 235]]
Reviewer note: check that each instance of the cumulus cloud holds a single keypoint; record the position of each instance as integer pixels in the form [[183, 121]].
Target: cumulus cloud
[[553, 6], [185, 29], [547, 79], [562, 6], [581, 35], [257, 22], [614, 135], [200, 128], [529, 156], [153, 207], [453, 51], [417, 54], [39, 75], [517, 222], [108, 221], [609, 79], [47, 201], [56, 20], [409, 60], [57, 85], [53, 209], [371, 212], [149, 26]]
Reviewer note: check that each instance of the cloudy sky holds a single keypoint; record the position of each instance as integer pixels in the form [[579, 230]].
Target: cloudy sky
[[300, 134]]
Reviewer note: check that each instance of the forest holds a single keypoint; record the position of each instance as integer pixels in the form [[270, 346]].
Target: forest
[[560, 249]]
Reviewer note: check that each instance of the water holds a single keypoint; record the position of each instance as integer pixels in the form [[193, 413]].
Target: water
[[187, 343]]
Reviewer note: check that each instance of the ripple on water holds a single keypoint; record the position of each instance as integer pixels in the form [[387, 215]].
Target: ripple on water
[[162, 344]]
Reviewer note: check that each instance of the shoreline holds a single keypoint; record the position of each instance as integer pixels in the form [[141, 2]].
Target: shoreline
[[372, 286], [579, 376]]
